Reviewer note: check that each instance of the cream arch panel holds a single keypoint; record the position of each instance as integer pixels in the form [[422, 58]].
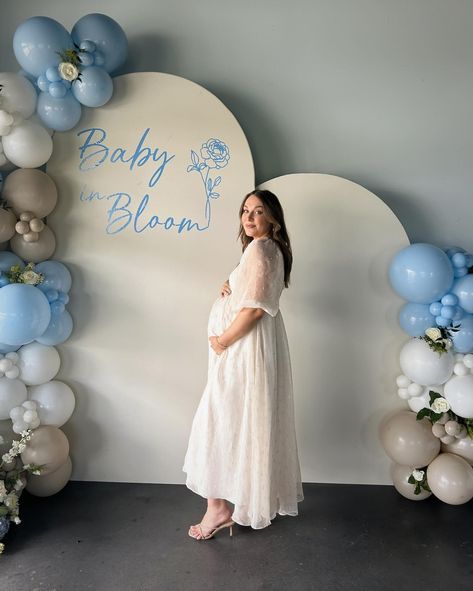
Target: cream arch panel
[[149, 190], [341, 319]]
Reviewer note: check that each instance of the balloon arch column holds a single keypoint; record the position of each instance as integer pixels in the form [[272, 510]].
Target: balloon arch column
[[431, 444], [61, 72]]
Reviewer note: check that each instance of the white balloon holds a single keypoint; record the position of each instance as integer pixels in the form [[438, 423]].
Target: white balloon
[[28, 145], [18, 94], [459, 393], [12, 393], [403, 381], [17, 413], [12, 373], [424, 366], [38, 363], [19, 426], [403, 393], [417, 403], [5, 364], [468, 360], [415, 389], [55, 400], [460, 369]]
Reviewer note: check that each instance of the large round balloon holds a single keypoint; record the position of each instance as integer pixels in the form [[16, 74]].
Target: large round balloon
[[463, 288], [24, 313], [459, 393], [400, 476], [28, 189], [106, 34], [37, 43], [37, 251], [450, 479], [95, 87], [59, 329], [55, 401], [28, 145], [421, 273], [38, 363], [460, 447], [463, 339], [48, 446], [60, 114], [12, 393], [7, 224], [407, 441], [56, 276], [415, 319], [18, 94], [424, 366], [49, 484]]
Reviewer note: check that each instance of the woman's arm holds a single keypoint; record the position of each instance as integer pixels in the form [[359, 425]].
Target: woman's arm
[[243, 323]]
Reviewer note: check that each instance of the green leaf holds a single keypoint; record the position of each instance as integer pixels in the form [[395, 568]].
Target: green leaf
[[423, 412], [3, 511], [411, 480], [425, 486], [435, 416], [433, 396]]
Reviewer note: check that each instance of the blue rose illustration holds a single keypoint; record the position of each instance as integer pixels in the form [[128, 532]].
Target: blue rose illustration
[[215, 153]]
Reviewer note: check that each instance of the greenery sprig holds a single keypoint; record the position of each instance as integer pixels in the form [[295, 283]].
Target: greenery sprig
[[27, 275], [437, 411], [440, 339], [419, 479]]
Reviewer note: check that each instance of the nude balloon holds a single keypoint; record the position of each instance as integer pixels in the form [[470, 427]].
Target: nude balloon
[[461, 447], [35, 252], [450, 479], [407, 441], [46, 485], [28, 189], [48, 446], [400, 476], [7, 225]]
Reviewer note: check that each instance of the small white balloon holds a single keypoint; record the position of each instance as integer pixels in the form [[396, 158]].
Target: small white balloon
[[35, 423], [13, 373], [468, 360], [5, 364], [417, 403], [30, 416], [29, 404], [460, 369], [13, 356], [12, 393], [19, 426], [403, 381], [415, 389], [16, 413], [403, 393]]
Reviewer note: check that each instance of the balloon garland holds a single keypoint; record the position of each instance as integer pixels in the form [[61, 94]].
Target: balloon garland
[[61, 73], [431, 444]]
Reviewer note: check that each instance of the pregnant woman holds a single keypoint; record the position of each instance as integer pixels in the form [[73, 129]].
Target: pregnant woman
[[242, 447]]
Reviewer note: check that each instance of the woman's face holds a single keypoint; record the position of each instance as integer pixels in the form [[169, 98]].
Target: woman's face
[[253, 218]]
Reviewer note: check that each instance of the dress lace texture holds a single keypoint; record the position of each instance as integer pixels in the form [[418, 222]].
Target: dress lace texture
[[242, 445]]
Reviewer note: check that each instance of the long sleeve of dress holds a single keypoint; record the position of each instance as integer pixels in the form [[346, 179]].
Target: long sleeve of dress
[[262, 277]]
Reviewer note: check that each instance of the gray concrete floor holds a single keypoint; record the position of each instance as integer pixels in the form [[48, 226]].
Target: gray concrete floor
[[133, 537]]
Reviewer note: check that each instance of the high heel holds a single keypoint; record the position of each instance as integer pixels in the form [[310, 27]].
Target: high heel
[[212, 532]]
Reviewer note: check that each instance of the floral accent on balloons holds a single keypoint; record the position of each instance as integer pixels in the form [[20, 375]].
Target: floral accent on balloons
[[437, 378], [26, 275]]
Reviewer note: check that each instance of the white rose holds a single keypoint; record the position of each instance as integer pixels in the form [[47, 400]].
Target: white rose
[[17, 520], [433, 333], [68, 71], [30, 277], [418, 475], [440, 405]]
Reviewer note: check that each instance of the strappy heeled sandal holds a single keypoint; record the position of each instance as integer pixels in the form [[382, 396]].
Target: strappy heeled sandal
[[213, 531]]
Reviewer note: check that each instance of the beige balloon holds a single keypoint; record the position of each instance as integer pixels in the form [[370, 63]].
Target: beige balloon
[[48, 447], [50, 484], [7, 224], [461, 447], [450, 478], [29, 189], [34, 252], [400, 475], [407, 441]]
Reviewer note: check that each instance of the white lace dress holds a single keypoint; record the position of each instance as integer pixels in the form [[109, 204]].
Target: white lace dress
[[242, 446]]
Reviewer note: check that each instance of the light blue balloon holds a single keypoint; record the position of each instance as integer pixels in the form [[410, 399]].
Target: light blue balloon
[[442, 321], [421, 273], [9, 259], [463, 339], [459, 259], [60, 114], [460, 272], [415, 319], [447, 312], [463, 288], [58, 331], [95, 87], [24, 313], [459, 313], [4, 349], [36, 44], [435, 308], [450, 299], [57, 90], [451, 250], [107, 35], [56, 276]]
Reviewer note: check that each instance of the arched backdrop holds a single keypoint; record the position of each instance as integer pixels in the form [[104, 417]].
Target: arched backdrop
[[149, 242]]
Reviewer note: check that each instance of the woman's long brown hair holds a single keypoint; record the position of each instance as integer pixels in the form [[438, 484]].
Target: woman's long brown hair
[[274, 214]]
